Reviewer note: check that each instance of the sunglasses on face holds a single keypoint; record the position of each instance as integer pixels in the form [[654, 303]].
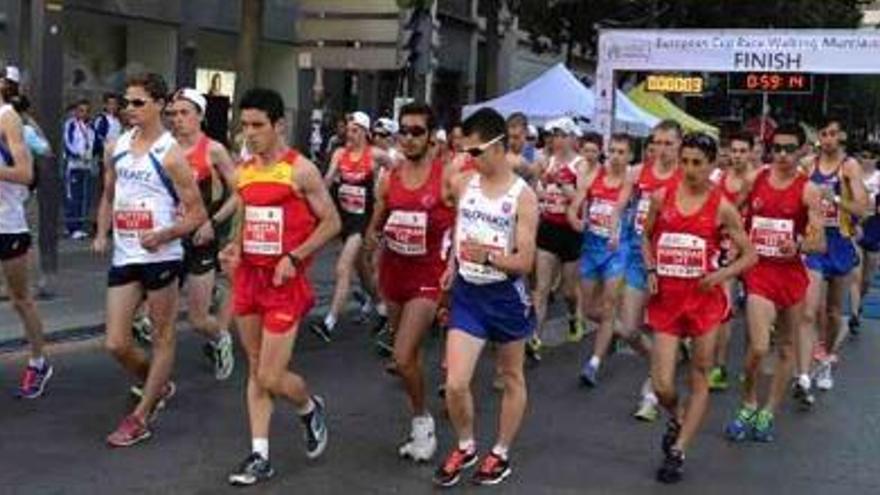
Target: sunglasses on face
[[786, 148], [383, 135], [134, 102], [413, 131], [476, 151]]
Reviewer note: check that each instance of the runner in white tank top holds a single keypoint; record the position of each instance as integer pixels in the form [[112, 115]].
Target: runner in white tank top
[[151, 201], [16, 173]]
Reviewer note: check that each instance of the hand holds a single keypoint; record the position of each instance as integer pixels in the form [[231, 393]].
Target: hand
[[99, 244], [788, 247], [284, 271], [447, 278], [152, 240], [371, 241], [652, 283], [230, 257], [712, 280], [475, 254], [204, 234]]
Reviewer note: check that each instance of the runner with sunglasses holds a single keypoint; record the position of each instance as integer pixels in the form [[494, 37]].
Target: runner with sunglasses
[[839, 178], [214, 173], [414, 214], [659, 171], [351, 179], [494, 251], [682, 236], [16, 175], [784, 221], [151, 201], [596, 211]]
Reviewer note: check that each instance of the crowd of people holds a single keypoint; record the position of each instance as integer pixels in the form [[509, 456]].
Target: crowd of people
[[474, 230]]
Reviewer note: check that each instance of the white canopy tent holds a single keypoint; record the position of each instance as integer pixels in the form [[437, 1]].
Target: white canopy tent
[[557, 92]]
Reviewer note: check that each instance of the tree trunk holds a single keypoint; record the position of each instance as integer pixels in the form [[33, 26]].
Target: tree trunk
[[248, 46], [493, 45]]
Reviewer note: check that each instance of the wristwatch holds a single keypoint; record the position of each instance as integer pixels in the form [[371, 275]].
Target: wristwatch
[[294, 260]]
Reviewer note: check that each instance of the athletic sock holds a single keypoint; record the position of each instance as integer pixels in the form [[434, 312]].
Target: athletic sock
[[38, 363], [804, 381], [468, 445], [306, 409], [329, 321], [500, 451], [260, 446], [381, 309], [595, 362]]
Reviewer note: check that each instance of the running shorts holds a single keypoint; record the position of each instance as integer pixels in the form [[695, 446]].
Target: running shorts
[[783, 284], [401, 280], [14, 245], [634, 275], [199, 260], [691, 313], [838, 260], [598, 263], [500, 312], [151, 276], [280, 307], [560, 240], [352, 225]]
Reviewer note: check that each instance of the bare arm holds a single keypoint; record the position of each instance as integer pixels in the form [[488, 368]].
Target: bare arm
[[814, 238], [194, 214], [858, 205], [522, 259], [731, 223], [379, 213], [333, 168], [223, 163], [648, 232], [308, 181], [574, 209], [105, 206], [21, 170]]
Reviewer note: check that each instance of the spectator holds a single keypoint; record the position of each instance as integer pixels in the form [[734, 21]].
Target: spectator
[[78, 145], [106, 126]]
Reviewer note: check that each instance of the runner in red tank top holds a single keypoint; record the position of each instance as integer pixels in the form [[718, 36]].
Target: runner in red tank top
[[784, 221], [351, 178], [287, 215], [734, 183], [414, 216], [682, 235]]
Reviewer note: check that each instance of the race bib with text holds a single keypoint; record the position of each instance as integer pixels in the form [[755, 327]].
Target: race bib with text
[[263, 230], [681, 255]]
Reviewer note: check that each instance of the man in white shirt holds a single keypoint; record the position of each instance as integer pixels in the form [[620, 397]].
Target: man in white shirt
[[78, 144]]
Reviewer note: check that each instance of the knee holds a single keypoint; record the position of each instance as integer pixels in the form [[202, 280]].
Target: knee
[[118, 347], [199, 321], [514, 380], [163, 334], [457, 387], [663, 389], [407, 360], [268, 379], [343, 270], [22, 303], [759, 349]]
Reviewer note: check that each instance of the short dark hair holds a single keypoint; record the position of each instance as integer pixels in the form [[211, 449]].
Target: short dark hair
[[791, 129], [154, 84], [593, 137], [826, 119], [702, 142], [743, 136], [82, 101], [419, 108], [110, 96], [668, 125], [622, 137], [21, 104], [265, 100], [486, 123], [518, 119]]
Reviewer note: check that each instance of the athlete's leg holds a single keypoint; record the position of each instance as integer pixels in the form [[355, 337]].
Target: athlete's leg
[[664, 357], [462, 352], [570, 277], [632, 320], [122, 303], [162, 307], [546, 265], [273, 374], [345, 267], [724, 329], [18, 289], [806, 336], [836, 330], [415, 320], [511, 357], [259, 400], [787, 326], [856, 284], [760, 315], [703, 348], [199, 290]]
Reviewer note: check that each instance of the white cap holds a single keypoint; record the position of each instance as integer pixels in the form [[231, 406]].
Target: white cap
[[531, 131], [563, 124], [194, 97], [361, 119], [384, 124], [11, 73], [440, 136]]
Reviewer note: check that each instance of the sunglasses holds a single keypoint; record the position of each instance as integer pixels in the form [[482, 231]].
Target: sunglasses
[[787, 148], [414, 131], [134, 102], [476, 151], [381, 134]]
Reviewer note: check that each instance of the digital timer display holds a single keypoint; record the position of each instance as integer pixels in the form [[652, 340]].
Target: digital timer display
[[769, 82], [663, 83]]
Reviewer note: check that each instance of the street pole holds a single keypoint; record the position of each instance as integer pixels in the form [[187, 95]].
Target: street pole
[[186, 46], [47, 74]]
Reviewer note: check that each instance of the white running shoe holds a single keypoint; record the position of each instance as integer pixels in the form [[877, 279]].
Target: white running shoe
[[224, 357], [422, 443], [824, 379], [647, 410]]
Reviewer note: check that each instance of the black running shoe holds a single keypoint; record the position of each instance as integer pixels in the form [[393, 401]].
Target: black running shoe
[[493, 470], [251, 471], [673, 428], [855, 324], [804, 396], [320, 329], [672, 469], [449, 473], [316, 429]]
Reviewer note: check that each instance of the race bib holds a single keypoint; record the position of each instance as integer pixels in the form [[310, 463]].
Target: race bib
[[830, 213], [681, 255], [131, 217], [406, 232], [553, 201], [353, 199], [263, 229], [599, 216], [642, 208], [768, 235]]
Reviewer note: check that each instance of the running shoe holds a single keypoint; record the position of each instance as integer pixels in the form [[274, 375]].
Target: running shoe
[[647, 411], [718, 379], [34, 380], [823, 376], [384, 342], [422, 443], [672, 469], [130, 431], [670, 436], [251, 471], [315, 429], [142, 329], [533, 348], [320, 329], [742, 426], [804, 396], [763, 427], [224, 357], [576, 329], [167, 393], [492, 470], [589, 375], [855, 325], [449, 473], [218, 295]]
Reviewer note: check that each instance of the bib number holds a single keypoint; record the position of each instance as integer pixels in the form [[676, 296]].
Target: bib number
[[130, 218], [768, 235], [263, 229], [406, 233], [642, 208], [681, 256], [599, 216], [353, 199], [830, 213]]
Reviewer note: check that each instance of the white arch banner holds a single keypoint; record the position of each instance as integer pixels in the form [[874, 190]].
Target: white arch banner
[[830, 51]]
